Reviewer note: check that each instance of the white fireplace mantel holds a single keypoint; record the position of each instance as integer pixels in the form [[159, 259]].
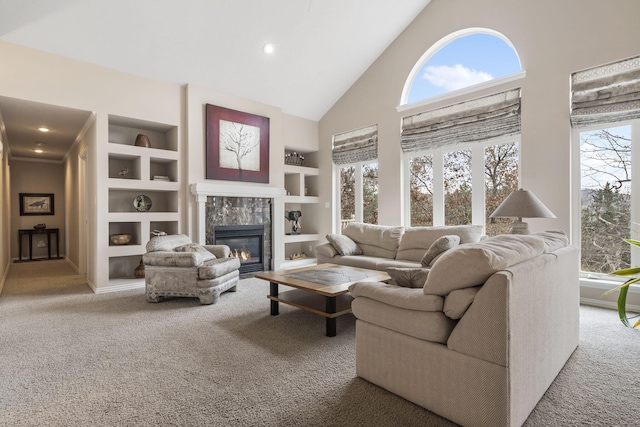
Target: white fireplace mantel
[[202, 190]]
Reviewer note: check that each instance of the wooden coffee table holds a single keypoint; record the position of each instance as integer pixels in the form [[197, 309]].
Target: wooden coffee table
[[322, 289]]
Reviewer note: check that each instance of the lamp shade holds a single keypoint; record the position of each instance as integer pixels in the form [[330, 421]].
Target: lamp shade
[[522, 204]]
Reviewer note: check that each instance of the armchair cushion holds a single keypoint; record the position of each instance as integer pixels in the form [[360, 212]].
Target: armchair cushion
[[195, 247], [167, 243], [344, 245], [470, 265], [408, 277], [440, 245], [218, 267], [172, 259]]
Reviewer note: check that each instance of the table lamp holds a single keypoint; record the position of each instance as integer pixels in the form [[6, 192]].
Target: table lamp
[[521, 204]]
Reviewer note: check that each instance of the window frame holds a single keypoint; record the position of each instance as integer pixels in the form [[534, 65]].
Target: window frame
[[478, 206], [358, 193], [404, 105], [592, 279]]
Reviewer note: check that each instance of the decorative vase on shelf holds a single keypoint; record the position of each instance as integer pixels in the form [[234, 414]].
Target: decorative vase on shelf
[[139, 271], [142, 140]]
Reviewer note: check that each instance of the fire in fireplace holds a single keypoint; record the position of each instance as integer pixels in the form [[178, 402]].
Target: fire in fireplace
[[246, 243]]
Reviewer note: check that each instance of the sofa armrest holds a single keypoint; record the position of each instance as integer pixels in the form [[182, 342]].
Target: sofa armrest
[[220, 251], [172, 259], [326, 249], [397, 296]]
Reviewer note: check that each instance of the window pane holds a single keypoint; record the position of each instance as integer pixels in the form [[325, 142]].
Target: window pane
[[457, 187], [501, 178], [605, 166], [347, 195], [370, 193], [421, 190]]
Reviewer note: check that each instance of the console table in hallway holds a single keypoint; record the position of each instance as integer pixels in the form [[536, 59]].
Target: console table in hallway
[[30, 233]]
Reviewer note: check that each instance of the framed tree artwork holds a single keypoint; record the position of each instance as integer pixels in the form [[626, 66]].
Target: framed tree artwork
[[237, 145]]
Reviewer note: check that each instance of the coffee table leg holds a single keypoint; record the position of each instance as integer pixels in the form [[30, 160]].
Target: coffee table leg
[[330, 307], [273, 291]]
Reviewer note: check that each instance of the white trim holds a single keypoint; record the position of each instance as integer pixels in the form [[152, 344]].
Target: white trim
[[464, 91], [609, 304]]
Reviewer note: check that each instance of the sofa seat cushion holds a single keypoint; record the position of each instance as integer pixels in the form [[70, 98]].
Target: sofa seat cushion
[[195, 247], [343, 244], [472, 264], [416, 240], [410, 299], [218, 267], [431, 326], [375, 240]]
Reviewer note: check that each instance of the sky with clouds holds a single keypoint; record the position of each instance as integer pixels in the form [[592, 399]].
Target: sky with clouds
[[464, 62]]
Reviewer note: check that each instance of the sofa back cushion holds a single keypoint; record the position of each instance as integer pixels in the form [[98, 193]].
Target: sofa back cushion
[[375, 240], [472, 264], [416, 240]]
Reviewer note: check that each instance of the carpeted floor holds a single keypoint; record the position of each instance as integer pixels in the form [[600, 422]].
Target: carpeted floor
[[69, 357]]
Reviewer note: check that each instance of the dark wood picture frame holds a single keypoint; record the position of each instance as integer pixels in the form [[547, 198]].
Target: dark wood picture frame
[[36, 204], [237, 145]]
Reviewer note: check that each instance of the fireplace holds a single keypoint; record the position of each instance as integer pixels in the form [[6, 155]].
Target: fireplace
[[246, 243]]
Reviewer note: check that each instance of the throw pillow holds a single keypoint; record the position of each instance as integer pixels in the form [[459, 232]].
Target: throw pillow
[[408, 277], [194, 247], [344, 245], [441, 245]]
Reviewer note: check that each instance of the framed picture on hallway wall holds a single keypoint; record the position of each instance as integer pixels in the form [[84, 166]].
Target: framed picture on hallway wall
[[237, 145], [36, 204]]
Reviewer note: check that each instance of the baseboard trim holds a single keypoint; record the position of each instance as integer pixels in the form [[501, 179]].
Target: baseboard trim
[[608, 304], [116, 288]]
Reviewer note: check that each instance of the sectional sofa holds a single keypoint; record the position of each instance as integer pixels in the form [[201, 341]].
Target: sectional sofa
[[477, 336]]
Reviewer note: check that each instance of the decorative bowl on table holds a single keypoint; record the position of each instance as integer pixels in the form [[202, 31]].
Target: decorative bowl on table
[[40, 226], [120, 238]]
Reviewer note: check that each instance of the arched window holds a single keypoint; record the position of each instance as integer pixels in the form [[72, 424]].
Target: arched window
[[462, 59]]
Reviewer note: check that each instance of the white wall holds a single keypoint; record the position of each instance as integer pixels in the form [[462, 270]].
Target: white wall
[[5, 218], [284, 131], [553, 39]]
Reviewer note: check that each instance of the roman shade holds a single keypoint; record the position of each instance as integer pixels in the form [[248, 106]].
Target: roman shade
[[605, 94], [359, 145], [470, 121]]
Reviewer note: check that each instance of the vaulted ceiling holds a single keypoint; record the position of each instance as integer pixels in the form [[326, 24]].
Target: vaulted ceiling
[[322, 46]]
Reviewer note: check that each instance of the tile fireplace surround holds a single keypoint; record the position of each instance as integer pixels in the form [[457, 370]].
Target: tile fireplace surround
[[228, 204]]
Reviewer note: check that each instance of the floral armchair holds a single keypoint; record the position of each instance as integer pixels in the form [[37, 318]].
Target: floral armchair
[[177, 267]]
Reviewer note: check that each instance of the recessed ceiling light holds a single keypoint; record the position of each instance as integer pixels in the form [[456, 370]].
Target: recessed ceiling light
[[39, 150], [269, 48], [43, 129]]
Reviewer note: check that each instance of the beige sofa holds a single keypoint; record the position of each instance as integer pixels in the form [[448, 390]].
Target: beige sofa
[[480, 341], [380, 247]]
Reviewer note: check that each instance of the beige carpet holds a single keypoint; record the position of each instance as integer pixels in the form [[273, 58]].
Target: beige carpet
[[69, 357]]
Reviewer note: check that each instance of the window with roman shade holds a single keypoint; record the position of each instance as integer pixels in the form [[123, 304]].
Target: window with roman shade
[[359, 145], [606, 94], [470, 121]]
